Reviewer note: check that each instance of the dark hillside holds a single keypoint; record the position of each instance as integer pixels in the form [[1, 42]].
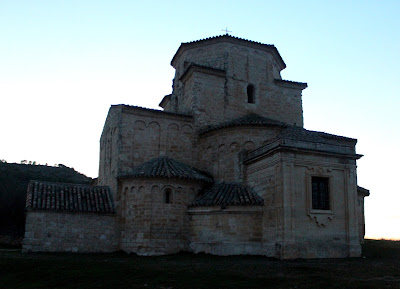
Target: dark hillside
[[14, 179]]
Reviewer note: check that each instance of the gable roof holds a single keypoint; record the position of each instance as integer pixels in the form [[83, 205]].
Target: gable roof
[[225, 194], [165, 167], [251, 119], [64, 197], [232, 39]]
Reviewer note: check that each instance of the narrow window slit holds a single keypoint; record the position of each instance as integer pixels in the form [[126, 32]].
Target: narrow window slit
[[250, 94]]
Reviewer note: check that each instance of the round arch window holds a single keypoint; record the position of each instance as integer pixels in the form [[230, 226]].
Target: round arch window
[[168, 196], [251, 94]]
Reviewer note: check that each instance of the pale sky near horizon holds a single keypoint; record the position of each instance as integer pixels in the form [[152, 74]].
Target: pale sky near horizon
[[63, 63]]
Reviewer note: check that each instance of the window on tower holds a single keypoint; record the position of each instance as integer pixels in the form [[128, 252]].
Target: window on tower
[[250, 94]]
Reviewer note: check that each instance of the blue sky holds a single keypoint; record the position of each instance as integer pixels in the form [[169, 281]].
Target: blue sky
[[63, 63]]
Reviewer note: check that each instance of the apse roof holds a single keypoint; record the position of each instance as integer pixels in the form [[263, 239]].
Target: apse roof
[[251, 119], [225, 194], [165, 167]]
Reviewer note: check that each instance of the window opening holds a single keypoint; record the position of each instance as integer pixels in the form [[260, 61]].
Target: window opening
[[168, 196], [320, 193], [250, 94]]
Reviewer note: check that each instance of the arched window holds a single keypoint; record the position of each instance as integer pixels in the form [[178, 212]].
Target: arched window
[[250, 94], [168, 196]]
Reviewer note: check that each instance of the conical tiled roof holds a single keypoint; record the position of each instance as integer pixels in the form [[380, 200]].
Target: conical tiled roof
[[251, 119], [165, 167], [225, 194], [61, 197]]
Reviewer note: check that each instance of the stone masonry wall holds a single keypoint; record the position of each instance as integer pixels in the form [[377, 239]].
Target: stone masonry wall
[[219, 151], [70, 232], [265, 178], [148, 134], [361, 217], [302, 231], [243, 66], [133, 135], [204, 97], [150, 226], [108, 165], [232, 231]]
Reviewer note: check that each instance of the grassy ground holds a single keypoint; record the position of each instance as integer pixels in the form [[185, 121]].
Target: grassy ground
[[379, 269]]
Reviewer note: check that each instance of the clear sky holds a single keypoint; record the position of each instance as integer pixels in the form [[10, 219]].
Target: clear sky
[[63, 63]]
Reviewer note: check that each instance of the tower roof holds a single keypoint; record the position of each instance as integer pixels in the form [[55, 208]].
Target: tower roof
[[165, 167], [231, 39]]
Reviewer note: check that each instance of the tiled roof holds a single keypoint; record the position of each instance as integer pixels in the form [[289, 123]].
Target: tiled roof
[[133, 107], [166, 167], [298, 133], [234, 39], [45, 196], [251, 119], [297, 137], [227, 36], [225, 194]]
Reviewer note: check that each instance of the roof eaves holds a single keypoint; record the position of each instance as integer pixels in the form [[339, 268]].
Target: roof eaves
[[164, 101], [290, 84], [164, 167], [127, 108], [231, 39], [280, 144], [68, 197], [363, 191]]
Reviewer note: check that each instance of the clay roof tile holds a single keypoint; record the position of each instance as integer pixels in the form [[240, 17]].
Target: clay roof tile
[[166, 167], [225, 194], [63, 197]]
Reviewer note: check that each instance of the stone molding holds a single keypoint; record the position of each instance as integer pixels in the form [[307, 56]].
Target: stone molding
[[202, 69]]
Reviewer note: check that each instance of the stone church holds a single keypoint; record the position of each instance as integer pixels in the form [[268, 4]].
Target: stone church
[[226, 168]]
